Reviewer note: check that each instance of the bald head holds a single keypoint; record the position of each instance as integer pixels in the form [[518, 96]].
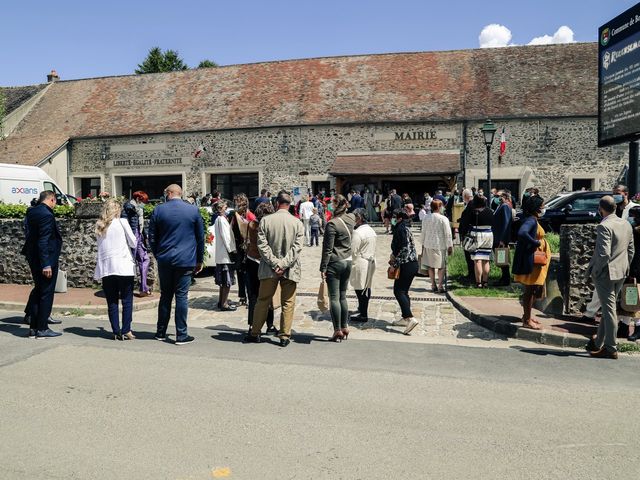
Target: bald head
[[173, 191], [607, 205]]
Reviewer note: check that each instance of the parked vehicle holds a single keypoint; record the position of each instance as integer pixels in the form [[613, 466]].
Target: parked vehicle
[[21, 184], [569, 208]]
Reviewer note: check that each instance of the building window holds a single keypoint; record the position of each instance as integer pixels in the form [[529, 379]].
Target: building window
[[581, 184], [89, 187], [152, 185], [230, 184]]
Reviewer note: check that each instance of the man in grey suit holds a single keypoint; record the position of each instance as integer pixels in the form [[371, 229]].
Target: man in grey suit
[[280, 239], [609, 267]]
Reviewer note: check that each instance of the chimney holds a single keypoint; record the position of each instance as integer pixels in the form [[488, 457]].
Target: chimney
[[53, 77]]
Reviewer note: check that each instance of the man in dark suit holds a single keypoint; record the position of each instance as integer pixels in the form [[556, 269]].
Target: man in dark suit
[[356, 201], [501, 228], [464, 226], [176, 235], [42, 248]]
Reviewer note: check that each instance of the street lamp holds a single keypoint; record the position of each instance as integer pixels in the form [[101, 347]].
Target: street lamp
[[488, 131]]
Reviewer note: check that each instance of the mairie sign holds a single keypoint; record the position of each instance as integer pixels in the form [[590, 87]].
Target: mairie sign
[[150, 162]]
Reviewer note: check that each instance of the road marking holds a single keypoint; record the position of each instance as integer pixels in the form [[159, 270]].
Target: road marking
[[221, 472]]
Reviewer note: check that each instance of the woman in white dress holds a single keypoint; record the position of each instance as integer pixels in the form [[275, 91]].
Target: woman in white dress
[[363, 248], [225, 249], [437, 244]]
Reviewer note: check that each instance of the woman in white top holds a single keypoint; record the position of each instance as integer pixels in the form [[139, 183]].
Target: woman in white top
[[363, 250], [116, 266], [437, 244], [225, 247]]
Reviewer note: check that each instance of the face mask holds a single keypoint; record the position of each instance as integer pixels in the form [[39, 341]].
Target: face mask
[[618, 198], [527, 194], [393, 221]]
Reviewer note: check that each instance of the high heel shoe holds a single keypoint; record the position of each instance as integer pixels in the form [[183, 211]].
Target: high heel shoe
[[337, 336], [345, 333], [128, 336]]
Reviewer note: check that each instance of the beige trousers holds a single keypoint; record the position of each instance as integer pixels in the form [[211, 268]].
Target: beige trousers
[[268, 288]]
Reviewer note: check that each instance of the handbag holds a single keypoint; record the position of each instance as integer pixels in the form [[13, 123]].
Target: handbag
[[630, 297], [502, 256], [540, 256], [323, 297], [61, 282], [393, 273], [470, 240]]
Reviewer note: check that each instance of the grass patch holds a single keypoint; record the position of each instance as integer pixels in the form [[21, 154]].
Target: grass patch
[[629, 347], [77, 312], [457, 270]]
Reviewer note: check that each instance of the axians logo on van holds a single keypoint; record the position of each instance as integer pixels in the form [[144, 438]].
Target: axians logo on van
[[25, 190]]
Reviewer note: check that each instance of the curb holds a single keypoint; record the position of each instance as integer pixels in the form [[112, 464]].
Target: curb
[[545, 337], [86, 309]]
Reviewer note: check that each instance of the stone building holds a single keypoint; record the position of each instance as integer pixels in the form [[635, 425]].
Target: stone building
[[407, 120]]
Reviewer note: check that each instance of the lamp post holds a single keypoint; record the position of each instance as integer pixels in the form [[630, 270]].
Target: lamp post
[[488, 131]]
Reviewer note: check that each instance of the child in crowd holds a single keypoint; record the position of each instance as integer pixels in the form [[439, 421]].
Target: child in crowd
[[315, 222]]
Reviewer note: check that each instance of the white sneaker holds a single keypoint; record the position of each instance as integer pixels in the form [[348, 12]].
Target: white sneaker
[[400, 323], [410, 326]]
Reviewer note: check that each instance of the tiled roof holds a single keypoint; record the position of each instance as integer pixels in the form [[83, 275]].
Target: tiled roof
[[390, 163], [16, 96], [531, 81]]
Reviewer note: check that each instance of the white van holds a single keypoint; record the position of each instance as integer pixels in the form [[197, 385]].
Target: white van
[[21, 184]]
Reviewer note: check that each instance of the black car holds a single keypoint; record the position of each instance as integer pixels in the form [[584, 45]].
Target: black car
[[570, 208]]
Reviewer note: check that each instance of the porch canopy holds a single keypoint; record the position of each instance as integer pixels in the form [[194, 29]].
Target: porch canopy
[[441, 163]]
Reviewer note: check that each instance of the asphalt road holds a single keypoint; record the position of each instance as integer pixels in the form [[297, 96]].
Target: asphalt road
[[85, 407]]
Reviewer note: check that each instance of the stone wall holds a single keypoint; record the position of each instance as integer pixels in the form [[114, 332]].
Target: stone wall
[[547, 152], [78, 258], [577, 244]]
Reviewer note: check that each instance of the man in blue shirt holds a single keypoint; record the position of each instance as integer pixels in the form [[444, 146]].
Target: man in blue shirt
[[176, 235]]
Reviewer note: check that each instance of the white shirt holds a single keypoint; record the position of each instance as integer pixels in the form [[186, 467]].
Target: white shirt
[[436, 232], [625, 212], [306, 210], [225, 241], [114, 251]]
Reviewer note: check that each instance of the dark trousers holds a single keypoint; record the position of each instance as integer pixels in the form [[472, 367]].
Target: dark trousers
[[506, 274], [402, 285], [174, 281], [40, 301], [471, 273], [338, 274], [315, 232], [119, 289], [253, 287], [363, 301], [241, 270]]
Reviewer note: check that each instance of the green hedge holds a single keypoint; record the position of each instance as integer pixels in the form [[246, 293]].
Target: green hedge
[[19, 211]]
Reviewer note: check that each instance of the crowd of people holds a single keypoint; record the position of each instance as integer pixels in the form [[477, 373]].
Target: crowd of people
[[259, 248]]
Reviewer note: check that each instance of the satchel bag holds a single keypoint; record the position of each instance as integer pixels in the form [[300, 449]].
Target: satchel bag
[[502, 256], [61, 282], [393, 273], [470, 241], [630, 297], [540, 256], [323, 297]]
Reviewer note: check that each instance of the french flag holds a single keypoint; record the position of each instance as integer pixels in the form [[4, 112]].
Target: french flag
[[503, 142], [199, 151]]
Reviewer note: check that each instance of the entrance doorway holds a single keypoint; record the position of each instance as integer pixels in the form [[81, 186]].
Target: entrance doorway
[[317, 186], [152, 185], [231, 184]]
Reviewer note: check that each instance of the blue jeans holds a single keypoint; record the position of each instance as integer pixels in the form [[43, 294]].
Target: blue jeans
[[174, 281], [116, 289]]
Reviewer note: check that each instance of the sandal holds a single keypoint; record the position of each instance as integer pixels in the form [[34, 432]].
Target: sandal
[[531, 326]]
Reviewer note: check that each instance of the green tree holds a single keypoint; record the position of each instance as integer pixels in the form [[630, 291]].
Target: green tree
[[207, 64], [159, 61]]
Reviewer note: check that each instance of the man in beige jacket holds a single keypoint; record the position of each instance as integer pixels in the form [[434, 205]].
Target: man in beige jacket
[[280, 239], [609, 267]]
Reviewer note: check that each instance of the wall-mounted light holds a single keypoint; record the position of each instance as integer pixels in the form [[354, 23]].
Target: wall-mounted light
[[547, 138], [104, 152], [284, 146]]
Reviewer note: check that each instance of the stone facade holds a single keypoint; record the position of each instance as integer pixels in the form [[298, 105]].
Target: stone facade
[[78, 258], [577, 244], [546, 153]]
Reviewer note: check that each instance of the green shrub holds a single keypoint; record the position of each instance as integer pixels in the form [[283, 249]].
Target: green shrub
[[554, 242], [12, 211]]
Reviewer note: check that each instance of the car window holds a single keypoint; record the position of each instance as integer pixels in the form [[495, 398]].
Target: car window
[[588, 204], [555, 200]]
